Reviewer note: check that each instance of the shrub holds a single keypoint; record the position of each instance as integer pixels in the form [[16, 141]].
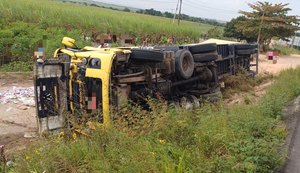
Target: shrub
[[19, 40], [17, 66]]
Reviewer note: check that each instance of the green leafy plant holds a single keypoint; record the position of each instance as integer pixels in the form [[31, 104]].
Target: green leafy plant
[[17, 66]]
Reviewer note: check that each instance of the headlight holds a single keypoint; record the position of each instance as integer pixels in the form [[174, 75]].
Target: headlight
[[94, 63]]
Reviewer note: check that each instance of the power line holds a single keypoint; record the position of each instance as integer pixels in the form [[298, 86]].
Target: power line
[[205, 6], [148, 1], [208, 7], [170, 2]]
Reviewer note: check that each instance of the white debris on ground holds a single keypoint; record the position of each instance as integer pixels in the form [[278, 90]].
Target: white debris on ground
[[18, 95]]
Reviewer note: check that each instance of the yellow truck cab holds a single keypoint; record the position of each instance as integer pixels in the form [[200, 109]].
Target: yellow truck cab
[[73, 67]]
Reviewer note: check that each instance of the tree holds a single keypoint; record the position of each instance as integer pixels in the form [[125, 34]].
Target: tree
[[231, 30], [267, 20], [94, 5], [214, 32], [153, 12], [140, 11], [126, 9], [168, 15]]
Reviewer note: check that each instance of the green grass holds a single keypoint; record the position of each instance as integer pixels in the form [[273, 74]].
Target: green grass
[[213, 138], [97, 20], [99, 4], [285, 50]]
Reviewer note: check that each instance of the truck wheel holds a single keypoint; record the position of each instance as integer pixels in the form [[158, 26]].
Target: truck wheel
[[201, 48], [205, 57], [146, 55], [184, 63]]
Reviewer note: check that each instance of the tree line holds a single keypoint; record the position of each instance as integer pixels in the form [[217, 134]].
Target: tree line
[[265, 22], [182, 16]]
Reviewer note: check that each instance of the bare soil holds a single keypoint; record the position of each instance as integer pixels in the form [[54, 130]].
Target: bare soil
[[283, 62], [16, 120]]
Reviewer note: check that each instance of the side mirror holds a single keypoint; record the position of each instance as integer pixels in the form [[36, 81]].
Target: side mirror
[[68, 42]]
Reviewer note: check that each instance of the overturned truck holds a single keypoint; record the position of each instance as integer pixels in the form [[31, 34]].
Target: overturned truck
[[100, 80]]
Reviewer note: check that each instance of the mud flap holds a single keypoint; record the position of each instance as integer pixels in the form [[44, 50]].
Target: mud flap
[[50, 95]]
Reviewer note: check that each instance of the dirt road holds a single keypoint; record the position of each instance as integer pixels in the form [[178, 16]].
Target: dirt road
[[283, 62], [17, 116]]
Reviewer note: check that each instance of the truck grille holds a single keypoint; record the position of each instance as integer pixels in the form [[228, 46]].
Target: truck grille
[[47, 97]]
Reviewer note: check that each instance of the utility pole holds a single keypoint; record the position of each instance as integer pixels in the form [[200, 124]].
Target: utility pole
[[176, 11], [179, 12]]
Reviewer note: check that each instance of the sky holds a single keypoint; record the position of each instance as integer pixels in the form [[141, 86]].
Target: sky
[[223, 10]]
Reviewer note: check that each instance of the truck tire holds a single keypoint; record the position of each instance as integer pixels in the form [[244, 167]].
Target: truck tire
[[146, 55], [201, 48], [184, 64], [205, 57], [245, 46], [244, 52], [167, 48]]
